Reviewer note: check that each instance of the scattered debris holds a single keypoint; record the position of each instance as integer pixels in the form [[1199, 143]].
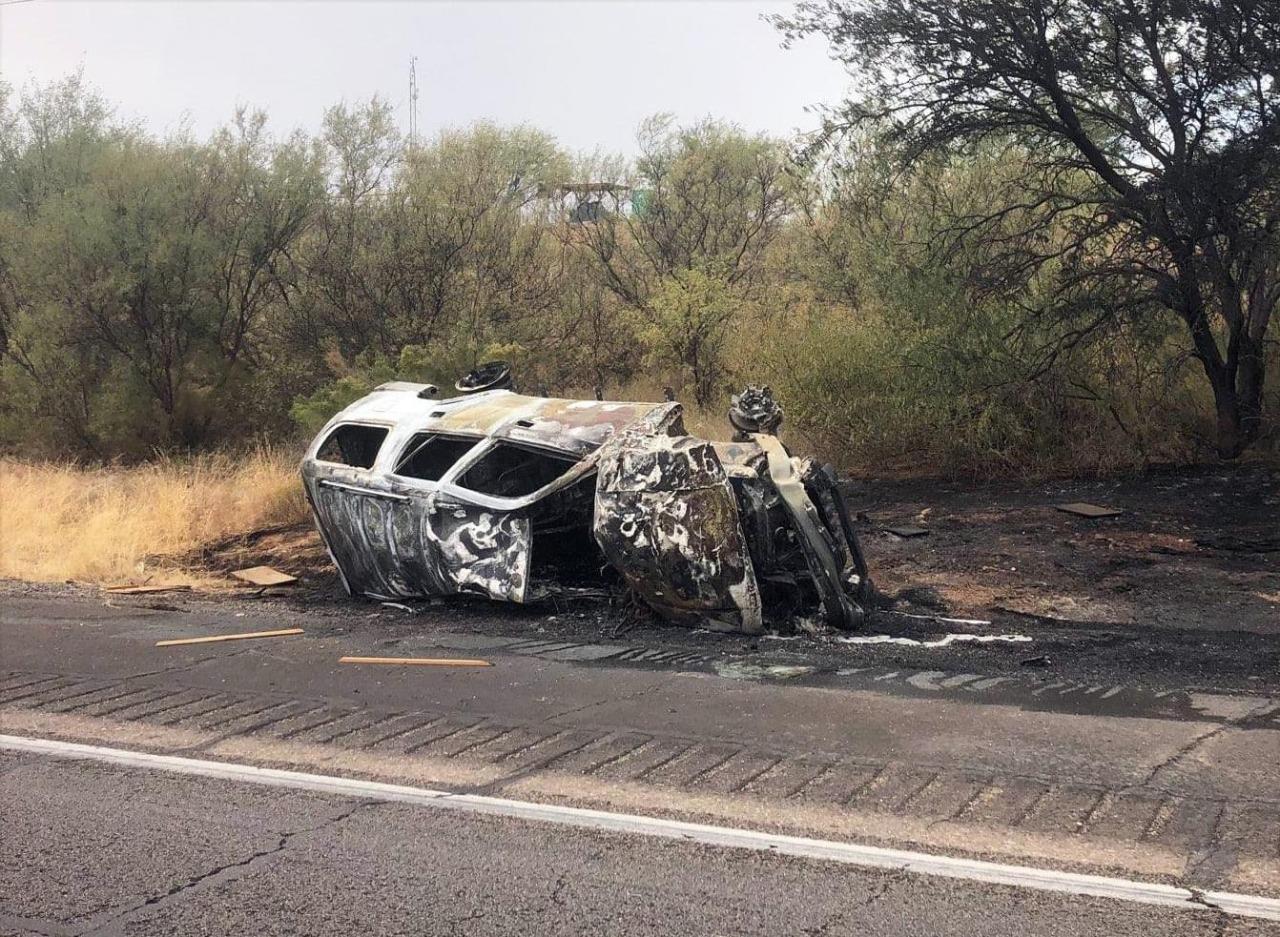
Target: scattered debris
[[1065, 610], [737, 670], [213, 639], [906, 532], [1041, 661], [1084, 509], [1144, 541], [264, 576], [943, 641], [1233, 544], [238, 541], [522, 498], [417, 661], [949, 621], [923, 596], [146, 589]]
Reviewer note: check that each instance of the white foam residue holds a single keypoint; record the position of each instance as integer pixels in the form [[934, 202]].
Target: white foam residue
[[950, 621], [940, 642], [738, 670]]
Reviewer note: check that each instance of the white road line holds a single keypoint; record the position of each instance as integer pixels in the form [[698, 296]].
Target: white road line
[[1097, 886]]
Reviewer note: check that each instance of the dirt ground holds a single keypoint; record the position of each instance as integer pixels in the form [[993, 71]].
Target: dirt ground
[[1192, 550]]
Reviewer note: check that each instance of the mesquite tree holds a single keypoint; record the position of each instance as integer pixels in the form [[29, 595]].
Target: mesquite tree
[[1154, 130]]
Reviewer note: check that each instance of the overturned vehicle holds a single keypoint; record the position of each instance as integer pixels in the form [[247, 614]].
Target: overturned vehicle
[[520, 498]]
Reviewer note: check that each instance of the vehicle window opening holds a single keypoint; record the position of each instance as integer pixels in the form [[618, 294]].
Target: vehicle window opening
[[353, 444], [565, 552], [430, 455], [509, 471]]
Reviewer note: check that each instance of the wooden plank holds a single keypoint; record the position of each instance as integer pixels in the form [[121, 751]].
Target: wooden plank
[[141, 590], [907, 531], [1084, 509], [417, 661], [264, 576], [214, 638]]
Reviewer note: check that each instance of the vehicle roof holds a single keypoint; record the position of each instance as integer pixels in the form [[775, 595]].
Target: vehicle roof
[[576, 426]]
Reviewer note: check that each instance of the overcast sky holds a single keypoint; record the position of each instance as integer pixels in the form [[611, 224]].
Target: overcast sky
[[586, 71]]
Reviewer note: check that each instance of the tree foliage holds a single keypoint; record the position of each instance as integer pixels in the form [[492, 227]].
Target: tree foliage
[[975, 306], [682, 239], [1152, 129], [141, 274]]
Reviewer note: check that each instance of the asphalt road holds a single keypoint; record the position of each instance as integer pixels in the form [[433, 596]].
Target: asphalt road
[[92, 849], [1041, 768]]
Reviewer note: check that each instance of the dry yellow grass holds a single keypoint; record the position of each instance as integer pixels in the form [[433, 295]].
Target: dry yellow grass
[[112, 524]]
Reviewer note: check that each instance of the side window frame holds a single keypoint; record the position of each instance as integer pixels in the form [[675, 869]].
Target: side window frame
[[464, 465], [464, 460], [324, 438]]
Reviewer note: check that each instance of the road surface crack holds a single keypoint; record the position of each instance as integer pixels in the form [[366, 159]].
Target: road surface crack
[[661, 684], [1198, 742], [1198, 897], [887, 882], [557, 890], [454, 924], [824, 928], [882, 888], [221, 873], [179, 668]]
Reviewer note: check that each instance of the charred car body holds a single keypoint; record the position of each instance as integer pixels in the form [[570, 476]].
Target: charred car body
[[518, 498]]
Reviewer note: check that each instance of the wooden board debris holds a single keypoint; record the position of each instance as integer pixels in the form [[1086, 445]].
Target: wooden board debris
[[146, 589], [1084, 509], [907, 531], [214, 638], [264, 576], [417, 661]]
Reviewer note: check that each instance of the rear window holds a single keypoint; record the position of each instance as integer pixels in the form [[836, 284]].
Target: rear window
[[353, 444], [509, 471], [429, 455]]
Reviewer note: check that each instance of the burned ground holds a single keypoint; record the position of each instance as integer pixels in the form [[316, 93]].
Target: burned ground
[[1182, 588], [1193, 549]]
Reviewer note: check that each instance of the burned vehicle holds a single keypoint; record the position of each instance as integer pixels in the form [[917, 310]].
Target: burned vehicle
[[520, 498]]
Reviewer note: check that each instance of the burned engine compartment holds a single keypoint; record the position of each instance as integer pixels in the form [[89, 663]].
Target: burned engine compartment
[[521, 498]]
